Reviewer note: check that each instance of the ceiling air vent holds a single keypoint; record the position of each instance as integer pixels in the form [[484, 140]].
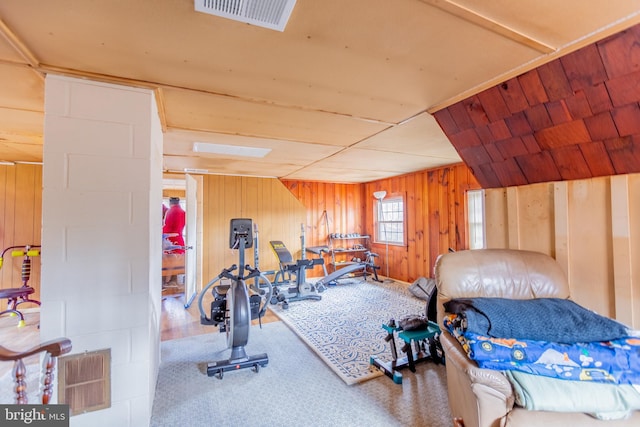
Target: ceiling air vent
[[272, 14]]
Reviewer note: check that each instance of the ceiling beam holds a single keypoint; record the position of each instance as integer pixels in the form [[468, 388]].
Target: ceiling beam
[[20, 48], [489, 24]]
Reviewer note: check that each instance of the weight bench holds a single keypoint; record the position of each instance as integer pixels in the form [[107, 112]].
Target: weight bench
[[301, 289]]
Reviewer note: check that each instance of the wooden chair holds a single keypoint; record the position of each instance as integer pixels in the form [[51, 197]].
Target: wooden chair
[[53, 349]]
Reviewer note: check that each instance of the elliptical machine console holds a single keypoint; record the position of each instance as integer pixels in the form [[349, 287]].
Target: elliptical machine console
[[233, 308]]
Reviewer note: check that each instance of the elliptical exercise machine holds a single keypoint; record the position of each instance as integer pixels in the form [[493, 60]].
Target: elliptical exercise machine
[[232, 308]]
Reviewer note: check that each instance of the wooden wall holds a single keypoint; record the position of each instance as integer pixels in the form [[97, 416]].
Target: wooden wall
[[435, 218], [330, 208], [435, 207], [267, 202], [20, 221], [278, 214], [590, 226]]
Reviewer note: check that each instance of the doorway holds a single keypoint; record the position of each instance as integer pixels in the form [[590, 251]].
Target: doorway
[[181, 266]]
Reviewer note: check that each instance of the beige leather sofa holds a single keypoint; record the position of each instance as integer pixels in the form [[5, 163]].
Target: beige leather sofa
[[483, 397]]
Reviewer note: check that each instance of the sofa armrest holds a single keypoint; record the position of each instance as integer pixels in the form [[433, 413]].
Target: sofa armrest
[[481, 397]]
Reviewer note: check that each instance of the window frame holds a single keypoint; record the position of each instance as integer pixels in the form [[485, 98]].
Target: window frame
[[476, 219], [380, 221]]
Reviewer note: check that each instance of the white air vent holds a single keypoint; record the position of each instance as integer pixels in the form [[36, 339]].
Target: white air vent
[[272, 14]]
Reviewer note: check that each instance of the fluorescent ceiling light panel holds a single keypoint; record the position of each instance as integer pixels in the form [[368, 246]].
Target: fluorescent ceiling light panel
[[230, 150]]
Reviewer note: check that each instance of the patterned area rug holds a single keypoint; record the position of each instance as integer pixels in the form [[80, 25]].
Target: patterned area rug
[[345, 327]]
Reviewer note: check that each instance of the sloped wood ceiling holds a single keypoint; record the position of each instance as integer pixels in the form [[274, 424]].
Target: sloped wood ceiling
[[575, 117]]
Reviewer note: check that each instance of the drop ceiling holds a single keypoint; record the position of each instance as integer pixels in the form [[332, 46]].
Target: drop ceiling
[[345, 93]]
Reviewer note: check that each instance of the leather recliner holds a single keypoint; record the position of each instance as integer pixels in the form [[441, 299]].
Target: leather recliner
[[483, 397]]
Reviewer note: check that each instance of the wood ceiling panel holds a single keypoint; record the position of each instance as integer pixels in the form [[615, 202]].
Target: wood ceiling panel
[[538, 117], [569, 133], [621, 53], [511, 147], [8, 53], [570, 162], [601, 126], [589, 126], [627, 119], [500, 130], [578, 105], [494, 153], [508, 171], [538, 167], [236, 116], [554, 80], [364, 159], [598, 98], [495, 106], [531, 143], [624, 153], [558, 112], [180, 143], [342, 74], [514, 96], [624, 89], [338, 175], [597, 158], [532, 17], [21, 88], [418, 136], [518, 124], [533, 88], [584, 68], [220, 166]]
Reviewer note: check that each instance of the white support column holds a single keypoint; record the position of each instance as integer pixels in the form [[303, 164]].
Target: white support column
[[101, 237]]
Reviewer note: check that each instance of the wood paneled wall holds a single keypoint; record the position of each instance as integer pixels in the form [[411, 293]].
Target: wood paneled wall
[[277, 213], [435, 215], [267, 202], [435, 218], [330, 208], [20, 221], [589, 226]]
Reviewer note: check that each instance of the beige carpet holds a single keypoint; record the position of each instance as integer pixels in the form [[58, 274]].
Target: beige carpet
[[294, 389]]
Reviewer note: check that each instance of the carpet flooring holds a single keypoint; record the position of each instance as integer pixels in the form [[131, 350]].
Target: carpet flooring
[[294, 389], [345, 327]]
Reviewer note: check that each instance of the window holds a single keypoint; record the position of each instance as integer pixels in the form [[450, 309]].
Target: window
[[475, 218], [390, 221]]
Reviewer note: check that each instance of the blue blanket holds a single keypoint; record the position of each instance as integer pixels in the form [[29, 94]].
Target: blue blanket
[[613, 362], [541, 319]]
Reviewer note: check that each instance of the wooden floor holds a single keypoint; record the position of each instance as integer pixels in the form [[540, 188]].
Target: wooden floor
[[19, 339], [178, 322]]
